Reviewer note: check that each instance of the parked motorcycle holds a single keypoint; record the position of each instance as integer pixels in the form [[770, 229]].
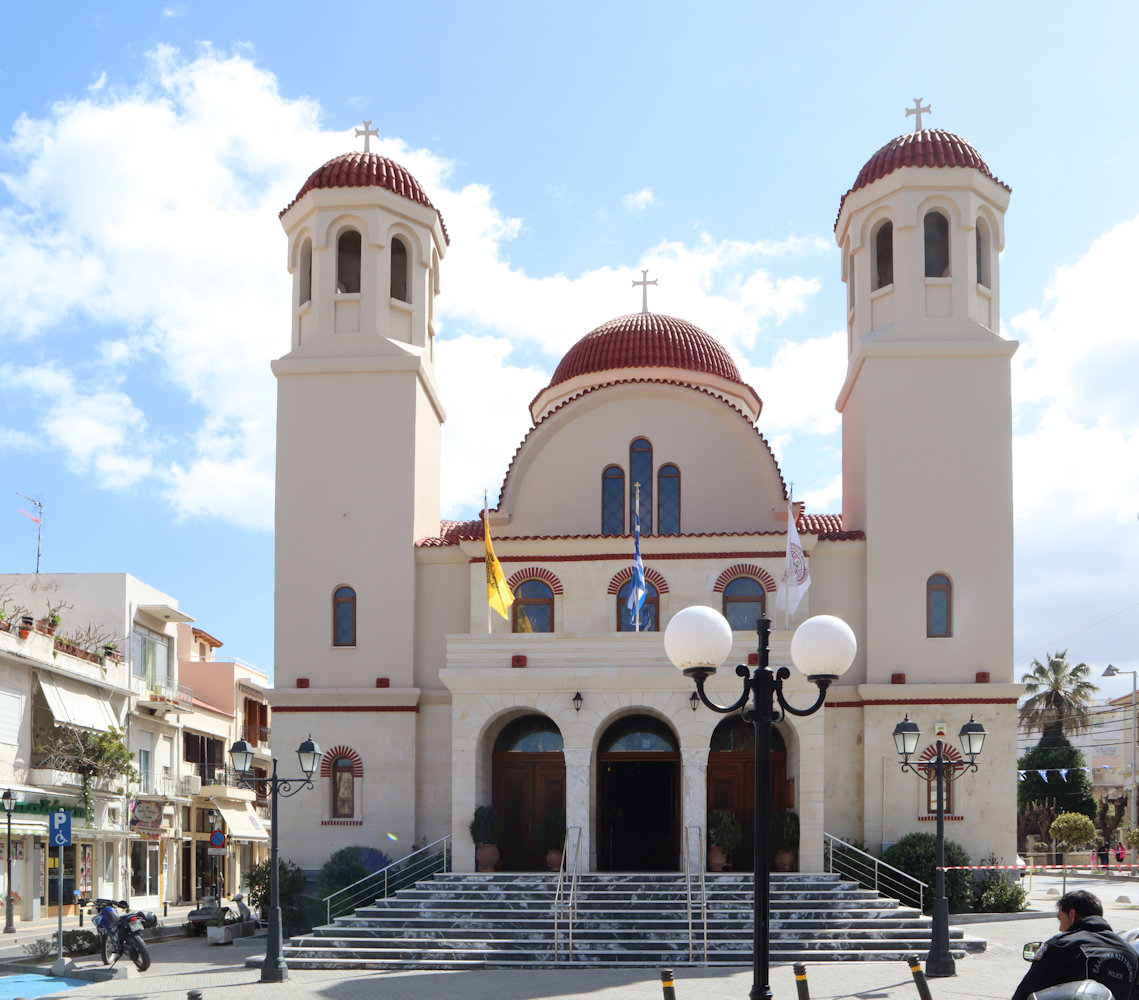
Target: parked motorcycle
[[122, 934]]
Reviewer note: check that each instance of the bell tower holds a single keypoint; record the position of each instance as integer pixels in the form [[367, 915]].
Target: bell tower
[[926, 409]]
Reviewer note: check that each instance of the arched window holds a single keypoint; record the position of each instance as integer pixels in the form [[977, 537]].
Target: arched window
[[348, 262], [638, 734], [743, 603], [613, 501], [641, 471], [626, 620], [530, 734], [983, 243], [936, 245], [344, 617], [533, 607], [343, 788], [882, 272], [305, 271], [668, 500], [399, 270], [938, 607]]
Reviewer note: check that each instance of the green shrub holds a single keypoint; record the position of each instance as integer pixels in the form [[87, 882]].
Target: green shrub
[[724, 830], [552, 831], [784, 830], [291, 883], [1072, 831], [349, 865], [1004, 896], [39, 948], [80, 943], [486, 826], [916, 855]]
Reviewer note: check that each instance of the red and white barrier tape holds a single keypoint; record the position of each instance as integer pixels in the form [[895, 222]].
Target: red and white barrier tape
[[1035, 868]]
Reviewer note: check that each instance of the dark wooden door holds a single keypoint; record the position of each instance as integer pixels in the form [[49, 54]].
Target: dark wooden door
[[638, 812], [526, 786], [731, 786]]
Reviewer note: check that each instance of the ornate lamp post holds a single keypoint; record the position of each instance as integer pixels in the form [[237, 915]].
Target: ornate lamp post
[[697, 641], [274, 969], [939, 961], [9, 802]]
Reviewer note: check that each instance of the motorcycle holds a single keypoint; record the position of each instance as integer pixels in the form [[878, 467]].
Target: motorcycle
[[122, 934]]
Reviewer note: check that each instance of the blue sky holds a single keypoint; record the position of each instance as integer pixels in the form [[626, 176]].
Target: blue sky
[[145, 151]]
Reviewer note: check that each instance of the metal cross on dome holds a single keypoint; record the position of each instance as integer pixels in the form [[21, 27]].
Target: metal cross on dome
[[917, 111], [367, 132], [644, 283]]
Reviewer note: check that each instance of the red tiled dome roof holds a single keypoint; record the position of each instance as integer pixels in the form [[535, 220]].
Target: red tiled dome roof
[[646, 340], [931, 147], [367, 170]]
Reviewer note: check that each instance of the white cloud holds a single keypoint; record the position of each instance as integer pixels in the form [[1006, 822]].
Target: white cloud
[[638, 201]]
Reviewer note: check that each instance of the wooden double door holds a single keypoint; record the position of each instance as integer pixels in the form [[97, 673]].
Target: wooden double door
[[525, 787], [731, 786]]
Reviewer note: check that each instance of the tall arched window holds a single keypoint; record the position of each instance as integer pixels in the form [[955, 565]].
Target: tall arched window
[[343, 789], [533, 607], [668, 500], [304, 269], [882, 272], [625, 619], [344, 617], [743, 603], [936, 245], [938, 607], [399, 270], [983, 259], [641, 471], [613, 501], [348, 262]]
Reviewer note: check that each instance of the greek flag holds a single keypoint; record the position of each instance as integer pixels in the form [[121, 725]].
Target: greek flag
[[637, 589]]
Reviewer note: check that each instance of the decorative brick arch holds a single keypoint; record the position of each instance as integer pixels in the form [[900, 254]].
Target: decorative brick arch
[[948, 750], [334, 755], [535, 573], [651, 576], [766, 580]]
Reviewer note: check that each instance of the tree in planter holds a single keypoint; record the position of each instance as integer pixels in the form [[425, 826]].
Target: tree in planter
[[552, 837], [784, 840], [486, 831], [724, 836]]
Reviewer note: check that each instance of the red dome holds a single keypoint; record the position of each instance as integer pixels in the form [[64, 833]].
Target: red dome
[[367, 170], [646, 340], [931, 147]]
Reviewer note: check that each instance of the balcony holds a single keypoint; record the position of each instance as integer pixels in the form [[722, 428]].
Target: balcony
[[220, 774], [257, 736], [163, 786], [164, 696]]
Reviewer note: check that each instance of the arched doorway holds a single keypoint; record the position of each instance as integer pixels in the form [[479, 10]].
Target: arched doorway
[[638, 797], [731, 780], [528, 780]]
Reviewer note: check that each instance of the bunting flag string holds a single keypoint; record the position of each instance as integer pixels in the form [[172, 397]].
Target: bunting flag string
[[1062, 771]]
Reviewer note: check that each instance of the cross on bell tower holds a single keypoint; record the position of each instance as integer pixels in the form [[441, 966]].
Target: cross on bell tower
[[644, 283], [917, 111], [367, 132]]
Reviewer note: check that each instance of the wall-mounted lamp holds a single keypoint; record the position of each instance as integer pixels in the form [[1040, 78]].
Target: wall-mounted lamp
[[577, 700], [694, 700]]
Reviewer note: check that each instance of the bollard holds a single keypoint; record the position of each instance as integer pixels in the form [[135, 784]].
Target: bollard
[[801, 986], [666, 984], [919, 977], [165, 908], [80, 915]]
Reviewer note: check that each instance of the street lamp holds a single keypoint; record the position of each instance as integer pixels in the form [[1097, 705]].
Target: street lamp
[[9, 802], [939, 961], [274, 969], [1113, 671], [697, 641]]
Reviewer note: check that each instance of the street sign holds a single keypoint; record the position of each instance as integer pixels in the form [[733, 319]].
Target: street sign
[[217, 839], [60, 833], [217, 852]]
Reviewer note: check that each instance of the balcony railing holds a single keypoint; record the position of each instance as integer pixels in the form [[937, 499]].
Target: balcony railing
[[155, 784], [181, 695], [218, 774], [256, 735]]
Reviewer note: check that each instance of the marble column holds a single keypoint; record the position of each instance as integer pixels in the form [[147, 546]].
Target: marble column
[[694, 805], [809, 790], [579, 794]]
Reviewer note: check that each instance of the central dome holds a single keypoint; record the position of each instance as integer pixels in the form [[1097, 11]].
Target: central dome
[[646, 340]]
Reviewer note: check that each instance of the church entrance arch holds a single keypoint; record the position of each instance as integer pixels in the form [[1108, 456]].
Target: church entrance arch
[[528, 780], [731, 781], [638, 797]]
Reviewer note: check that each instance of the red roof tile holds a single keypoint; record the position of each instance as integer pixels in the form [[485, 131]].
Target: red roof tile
[[931, 147], [367, 170]]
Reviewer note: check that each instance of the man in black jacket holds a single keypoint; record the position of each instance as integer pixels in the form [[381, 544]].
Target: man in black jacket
[[1085, 948]]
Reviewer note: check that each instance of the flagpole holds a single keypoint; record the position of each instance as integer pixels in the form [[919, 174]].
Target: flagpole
[[637, 530], [486, 528]]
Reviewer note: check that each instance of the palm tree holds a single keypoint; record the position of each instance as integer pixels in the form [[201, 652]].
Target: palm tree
[[1057, 697]]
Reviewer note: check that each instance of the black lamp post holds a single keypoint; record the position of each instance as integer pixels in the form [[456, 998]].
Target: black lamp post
[[697, 641], [274, 969], [939, 962], [9, 802]]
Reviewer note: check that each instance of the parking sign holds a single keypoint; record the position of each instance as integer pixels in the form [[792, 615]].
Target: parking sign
[[61, 828]]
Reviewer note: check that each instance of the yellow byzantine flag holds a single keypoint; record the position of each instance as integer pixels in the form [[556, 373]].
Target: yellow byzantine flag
[[497, 592]]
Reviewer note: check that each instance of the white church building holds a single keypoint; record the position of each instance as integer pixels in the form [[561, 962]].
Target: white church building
[[383, 650]]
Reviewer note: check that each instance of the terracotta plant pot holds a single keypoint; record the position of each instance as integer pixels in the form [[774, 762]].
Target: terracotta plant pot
[[486, 857], [553, 861], [784, 861]]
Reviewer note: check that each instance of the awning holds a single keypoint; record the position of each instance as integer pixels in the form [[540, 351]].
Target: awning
[[75, 704], [242, 824]]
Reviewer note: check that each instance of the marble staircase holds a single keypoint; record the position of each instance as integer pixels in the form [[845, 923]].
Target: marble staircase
[[505, 920]]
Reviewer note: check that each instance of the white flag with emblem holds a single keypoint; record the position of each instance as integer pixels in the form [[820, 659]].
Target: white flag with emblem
[[796, 577]]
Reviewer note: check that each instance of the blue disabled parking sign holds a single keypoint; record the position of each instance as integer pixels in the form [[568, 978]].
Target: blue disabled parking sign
[[60, 828]]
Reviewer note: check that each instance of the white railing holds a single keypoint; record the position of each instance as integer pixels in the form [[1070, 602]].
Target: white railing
[[870, 872], [696, 901], [565, 895], [435, 857]]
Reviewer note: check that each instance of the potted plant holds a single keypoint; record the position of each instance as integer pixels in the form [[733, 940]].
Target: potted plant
[[784, 840], [552, 838], [724, 836], [26, 625], [486, 829]]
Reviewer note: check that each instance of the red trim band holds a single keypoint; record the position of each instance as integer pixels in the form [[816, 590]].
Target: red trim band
[[921, 701], [611, 556], [345, 708]]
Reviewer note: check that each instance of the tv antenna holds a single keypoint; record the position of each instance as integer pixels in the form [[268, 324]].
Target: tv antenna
[[38, 517]]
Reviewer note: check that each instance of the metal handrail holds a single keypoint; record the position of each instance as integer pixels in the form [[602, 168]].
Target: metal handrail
[[565, 900], [701, 901], [435, 857], [870, 872]]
